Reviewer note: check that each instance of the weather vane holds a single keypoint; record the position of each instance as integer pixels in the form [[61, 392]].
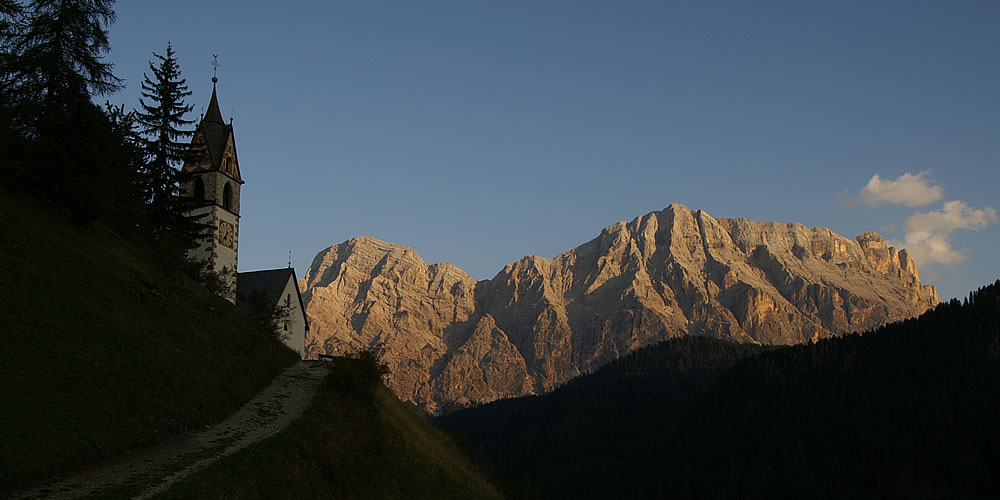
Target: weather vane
[[215, 67]]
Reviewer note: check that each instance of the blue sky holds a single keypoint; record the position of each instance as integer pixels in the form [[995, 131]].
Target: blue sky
[[478, 132]]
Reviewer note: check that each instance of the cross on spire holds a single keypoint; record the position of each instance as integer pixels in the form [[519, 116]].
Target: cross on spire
[[215, 68]]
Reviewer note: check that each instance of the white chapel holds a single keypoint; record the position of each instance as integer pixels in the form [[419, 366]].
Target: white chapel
[[212, 177]]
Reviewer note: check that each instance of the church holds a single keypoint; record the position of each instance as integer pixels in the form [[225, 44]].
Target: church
[[211, 175]]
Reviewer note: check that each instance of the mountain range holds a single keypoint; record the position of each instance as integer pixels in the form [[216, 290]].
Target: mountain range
[[450, 340], [902, 411]]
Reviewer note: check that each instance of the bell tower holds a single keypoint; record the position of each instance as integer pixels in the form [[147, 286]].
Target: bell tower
[[211, 176]]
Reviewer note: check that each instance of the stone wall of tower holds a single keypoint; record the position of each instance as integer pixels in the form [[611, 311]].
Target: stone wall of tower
[[203, 252], [214, 249], [213, 166], [215, 182], [223, 256], [230, 168]]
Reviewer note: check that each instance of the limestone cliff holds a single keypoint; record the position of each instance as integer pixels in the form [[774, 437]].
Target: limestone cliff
[[539, 322]]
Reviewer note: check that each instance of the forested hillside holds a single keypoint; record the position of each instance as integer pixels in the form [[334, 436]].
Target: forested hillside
[[906, 410]]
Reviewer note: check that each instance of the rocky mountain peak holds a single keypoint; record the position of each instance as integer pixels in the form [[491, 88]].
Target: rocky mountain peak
[[450, 340], [887, 260]]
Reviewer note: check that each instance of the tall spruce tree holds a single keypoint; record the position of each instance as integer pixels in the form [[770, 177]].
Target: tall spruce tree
[[10, 140], [161, 129], [162, 125], [11, 17], [55, 66], [60, 52], [8, 9]]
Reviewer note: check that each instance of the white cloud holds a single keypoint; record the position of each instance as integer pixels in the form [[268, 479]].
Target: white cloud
[[927, 232], [908, 189]]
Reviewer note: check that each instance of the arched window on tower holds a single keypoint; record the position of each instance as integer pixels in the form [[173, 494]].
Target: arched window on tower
[[225, 165], [199, 189], [227, 197]]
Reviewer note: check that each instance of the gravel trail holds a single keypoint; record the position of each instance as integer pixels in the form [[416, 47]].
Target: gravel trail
[[152, 470]]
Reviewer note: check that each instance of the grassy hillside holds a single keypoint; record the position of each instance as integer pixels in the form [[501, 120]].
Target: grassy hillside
[[357, 440], [102, 351], [906, 411]]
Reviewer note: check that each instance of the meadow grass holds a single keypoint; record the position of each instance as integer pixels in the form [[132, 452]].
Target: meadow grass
[[102, 350], [356, 440]]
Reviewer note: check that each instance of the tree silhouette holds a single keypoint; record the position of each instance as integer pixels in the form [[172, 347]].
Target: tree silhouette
[[60, 52], [162, 133], [59, 141], [162, 125]]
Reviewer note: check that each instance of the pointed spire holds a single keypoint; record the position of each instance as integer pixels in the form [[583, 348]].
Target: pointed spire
[[214, 115]]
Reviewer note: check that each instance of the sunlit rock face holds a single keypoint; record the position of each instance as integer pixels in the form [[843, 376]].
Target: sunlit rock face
[[450, 340]]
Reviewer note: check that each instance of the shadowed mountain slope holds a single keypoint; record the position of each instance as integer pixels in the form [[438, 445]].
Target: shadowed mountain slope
[[905, 411]]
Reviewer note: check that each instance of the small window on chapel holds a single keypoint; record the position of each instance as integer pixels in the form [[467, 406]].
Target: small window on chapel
[[288, 300], [199, 189]]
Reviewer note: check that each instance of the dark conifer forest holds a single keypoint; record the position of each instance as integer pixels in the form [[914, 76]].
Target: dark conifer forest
[[907, 410]]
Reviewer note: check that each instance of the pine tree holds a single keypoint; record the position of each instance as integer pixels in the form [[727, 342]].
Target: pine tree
[[9, 8], [59, 54], [53, 66], [161, 128], [11, 14], [130, 215], [162, 123]]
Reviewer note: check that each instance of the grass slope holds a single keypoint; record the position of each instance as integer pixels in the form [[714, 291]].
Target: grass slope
[[357, 440], [103, 351]]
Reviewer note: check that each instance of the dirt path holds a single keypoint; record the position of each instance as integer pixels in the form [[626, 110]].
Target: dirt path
[[146, 472]]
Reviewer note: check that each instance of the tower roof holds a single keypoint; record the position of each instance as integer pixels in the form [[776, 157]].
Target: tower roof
[[213, 134], [213, 115]]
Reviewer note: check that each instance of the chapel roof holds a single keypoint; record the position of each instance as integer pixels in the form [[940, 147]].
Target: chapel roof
[[271, 282]]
